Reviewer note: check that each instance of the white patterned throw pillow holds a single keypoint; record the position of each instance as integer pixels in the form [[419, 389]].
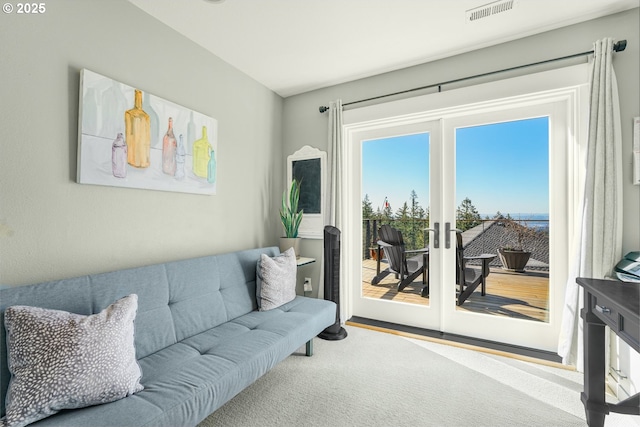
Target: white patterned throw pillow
[[276, 280], [60, 360]]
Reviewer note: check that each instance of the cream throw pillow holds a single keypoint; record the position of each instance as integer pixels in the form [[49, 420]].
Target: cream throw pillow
[[276, 280], [60, 360]]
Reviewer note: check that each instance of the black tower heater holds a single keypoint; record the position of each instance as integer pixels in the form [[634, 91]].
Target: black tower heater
[[332, 281]]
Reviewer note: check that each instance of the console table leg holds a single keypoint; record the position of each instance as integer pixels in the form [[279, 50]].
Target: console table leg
[[593, 396], [595, 418]]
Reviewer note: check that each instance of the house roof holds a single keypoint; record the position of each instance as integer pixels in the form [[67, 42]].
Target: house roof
[[489, 236]]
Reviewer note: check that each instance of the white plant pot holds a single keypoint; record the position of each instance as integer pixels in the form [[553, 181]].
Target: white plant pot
[[290, 242]]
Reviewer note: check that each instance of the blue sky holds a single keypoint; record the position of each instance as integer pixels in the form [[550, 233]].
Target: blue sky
[[502, 166]]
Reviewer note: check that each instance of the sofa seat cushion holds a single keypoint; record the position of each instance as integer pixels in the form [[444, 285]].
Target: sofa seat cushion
[[297, 316], [210, 368]]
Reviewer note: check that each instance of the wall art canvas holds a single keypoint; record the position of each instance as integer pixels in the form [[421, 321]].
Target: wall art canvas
[[131, 138]]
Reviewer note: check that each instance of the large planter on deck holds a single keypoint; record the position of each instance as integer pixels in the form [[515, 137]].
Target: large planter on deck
[[514, 260], [373, 252]]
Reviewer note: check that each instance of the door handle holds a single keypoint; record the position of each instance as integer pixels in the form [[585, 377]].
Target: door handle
[[436, 234], [447, 234]]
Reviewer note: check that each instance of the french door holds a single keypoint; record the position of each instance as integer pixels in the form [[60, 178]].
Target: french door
[[459, 153], [513, 160], [395, 155]]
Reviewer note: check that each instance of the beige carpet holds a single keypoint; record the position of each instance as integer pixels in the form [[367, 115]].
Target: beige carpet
[[378, 379]]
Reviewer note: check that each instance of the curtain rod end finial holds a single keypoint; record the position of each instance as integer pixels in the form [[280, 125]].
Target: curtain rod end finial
[[322, 109], [620, 46]]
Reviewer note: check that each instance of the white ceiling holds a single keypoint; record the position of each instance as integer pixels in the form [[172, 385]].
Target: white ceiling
[[294, 46]]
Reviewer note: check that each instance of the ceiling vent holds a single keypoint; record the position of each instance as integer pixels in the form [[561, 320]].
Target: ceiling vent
[[490, 9]]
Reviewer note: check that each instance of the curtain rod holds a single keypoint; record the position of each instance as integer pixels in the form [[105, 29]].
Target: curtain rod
[[618, 47]]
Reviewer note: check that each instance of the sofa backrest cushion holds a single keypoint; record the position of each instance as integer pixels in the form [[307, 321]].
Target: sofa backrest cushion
[[205, 292], [176, 300]]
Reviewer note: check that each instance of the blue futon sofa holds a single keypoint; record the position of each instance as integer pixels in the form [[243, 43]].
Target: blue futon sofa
[[199, 338]]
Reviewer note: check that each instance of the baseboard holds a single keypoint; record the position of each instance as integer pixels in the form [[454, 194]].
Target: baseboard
[[518, 352]]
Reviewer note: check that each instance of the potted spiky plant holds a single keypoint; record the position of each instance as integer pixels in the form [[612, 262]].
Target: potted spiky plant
[[291, 218]]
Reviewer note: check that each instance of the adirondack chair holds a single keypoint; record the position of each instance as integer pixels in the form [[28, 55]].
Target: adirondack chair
[[469, 278], [406, 265]]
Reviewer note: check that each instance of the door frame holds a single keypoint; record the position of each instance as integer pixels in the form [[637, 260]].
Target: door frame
[[567, 86]]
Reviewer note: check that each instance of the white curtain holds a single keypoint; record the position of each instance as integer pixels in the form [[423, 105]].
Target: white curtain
[[336, 166], [599, 242]]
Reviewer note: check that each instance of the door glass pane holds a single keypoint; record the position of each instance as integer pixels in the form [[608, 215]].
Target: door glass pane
[[502, 198], [395, 193]]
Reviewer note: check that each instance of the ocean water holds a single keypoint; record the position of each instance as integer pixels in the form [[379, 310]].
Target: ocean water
[[533, 220]]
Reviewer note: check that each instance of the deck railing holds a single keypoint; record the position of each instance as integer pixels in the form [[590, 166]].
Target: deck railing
[[415, 236]]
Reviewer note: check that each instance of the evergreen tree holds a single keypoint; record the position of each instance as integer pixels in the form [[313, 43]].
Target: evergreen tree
[[423, 241], [369, 223], [416, 210], [401, 220], [467, 215], [403, 213], [415, 233], [498, 215], [367, 210]]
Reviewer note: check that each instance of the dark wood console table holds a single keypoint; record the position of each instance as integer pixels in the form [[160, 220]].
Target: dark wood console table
[[617, 305]]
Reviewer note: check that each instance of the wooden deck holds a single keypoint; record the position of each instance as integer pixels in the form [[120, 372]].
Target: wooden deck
[[518, 295]]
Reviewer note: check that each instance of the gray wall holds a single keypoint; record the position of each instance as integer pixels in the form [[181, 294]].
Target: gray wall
[[51, 227], [304, 125]]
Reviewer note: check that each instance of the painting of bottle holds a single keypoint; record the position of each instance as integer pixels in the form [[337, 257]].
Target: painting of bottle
[[153, 119], [169, 146], [119, 157], [160, 145], [211, 167], [113, 104], [201, 155], [180, 156], [191, 134], [138, 134]]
